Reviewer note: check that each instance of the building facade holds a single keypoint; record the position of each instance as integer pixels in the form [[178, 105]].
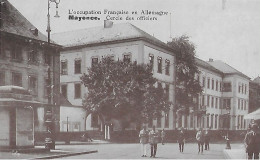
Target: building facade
[[24, 61], [225, 96], [121, 42]]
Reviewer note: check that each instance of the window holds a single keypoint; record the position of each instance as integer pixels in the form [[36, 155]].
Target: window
[[2, 78], [245, 105], [16, 53], [203, 100], [33, 56], [208, 121], [245, 89], [17, 79], [127, 58], [159, 122], [64, 90], [159, 61], [211, 121], [64, 67], [242, 88], [238, 103], [238, 122], [203, 81], [77, 91], [167, 67], [46, 83], [167, 88], [227, 87], [166, 120], [242, 104], [212, 102], [241, 123], [226, 103], [191, 121], [239, 87], [77, 65], [151, 60], [208, 83], [216, 103], [212, 85], [208, 97], [216, 121], [47, 59], [94, 61], [216, 85], [33, 87]]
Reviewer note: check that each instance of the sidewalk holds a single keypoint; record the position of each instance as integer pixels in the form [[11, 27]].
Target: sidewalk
[[237, 151], [39, 153]]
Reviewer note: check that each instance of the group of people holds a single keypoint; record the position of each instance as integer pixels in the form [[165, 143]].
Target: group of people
[[153, 137]]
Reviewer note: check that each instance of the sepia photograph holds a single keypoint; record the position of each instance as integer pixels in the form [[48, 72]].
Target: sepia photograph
[[129, 79]]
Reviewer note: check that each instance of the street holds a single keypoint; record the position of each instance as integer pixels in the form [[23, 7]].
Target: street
[[132, 151]]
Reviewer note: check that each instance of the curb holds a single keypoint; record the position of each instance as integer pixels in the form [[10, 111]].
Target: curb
[[66, 155]]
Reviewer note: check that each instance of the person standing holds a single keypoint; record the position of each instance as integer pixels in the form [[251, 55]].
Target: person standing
[[163, 136], [153, 139], [252, 142], [207, 138], [181, 139], [143, 135], [200, 140]]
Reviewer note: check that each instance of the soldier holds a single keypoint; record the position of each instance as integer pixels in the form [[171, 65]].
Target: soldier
[[153, 139], [181, 140], [206, 138], [143, 135], [200, 140], [163, 136], [252, 142]]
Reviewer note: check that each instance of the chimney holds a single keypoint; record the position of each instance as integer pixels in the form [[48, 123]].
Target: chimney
[[210, 60], [108, 24]]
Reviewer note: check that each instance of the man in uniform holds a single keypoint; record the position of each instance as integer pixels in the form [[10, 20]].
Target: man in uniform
[[200, 140], [181, 139], [153, 139], [143, 135], [252, 142]]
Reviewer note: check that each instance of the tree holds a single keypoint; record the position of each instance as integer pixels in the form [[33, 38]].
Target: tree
[[188, 87], [124, 91]]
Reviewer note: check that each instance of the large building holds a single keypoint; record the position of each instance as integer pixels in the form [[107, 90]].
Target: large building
[[222, 104], [24, 61], [254, 94], [125, 42]]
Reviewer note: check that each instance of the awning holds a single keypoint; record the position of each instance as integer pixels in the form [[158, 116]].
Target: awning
[[254, 115]]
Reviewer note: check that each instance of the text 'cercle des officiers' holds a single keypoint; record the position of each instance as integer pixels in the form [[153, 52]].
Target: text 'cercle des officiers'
[[115, 14]]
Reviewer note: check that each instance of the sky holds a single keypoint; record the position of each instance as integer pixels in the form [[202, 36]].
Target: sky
[[226, 30]]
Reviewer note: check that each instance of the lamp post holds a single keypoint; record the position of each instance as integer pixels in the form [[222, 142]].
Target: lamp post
[[49, 141]]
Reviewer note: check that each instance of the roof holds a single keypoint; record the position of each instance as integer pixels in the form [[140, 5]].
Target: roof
[[257, 80], [225, 68], [15, 23], [97, 35], [205, 65]]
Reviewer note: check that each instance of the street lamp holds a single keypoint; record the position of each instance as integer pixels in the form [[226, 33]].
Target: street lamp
[[49, 141]]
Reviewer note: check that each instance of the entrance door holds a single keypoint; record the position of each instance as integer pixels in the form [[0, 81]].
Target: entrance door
[[5, 127]]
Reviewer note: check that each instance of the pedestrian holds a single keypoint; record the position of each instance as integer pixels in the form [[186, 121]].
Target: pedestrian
[[163, 134], [206, 138], [143, 135], [200, 140], [153, 139], [181, 139], [252, 142]]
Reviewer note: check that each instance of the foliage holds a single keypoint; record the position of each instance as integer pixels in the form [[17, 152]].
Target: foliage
[[187, 86], [123, 90]]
